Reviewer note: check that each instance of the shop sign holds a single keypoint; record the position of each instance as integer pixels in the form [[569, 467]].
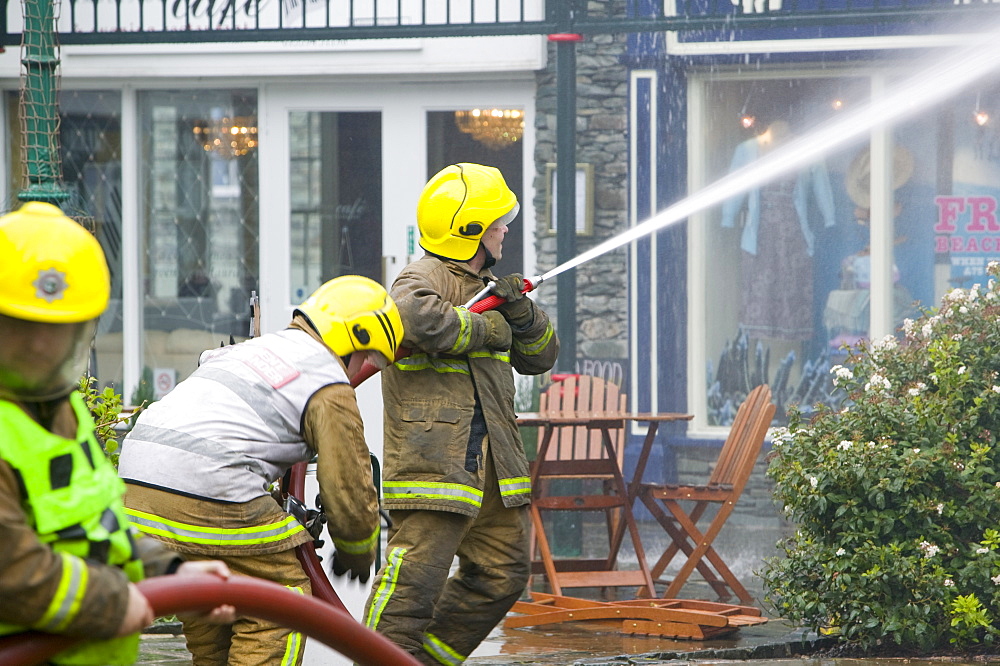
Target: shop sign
[[967, 229]]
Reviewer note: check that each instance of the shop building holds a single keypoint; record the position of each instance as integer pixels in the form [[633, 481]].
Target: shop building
[[214, 171]]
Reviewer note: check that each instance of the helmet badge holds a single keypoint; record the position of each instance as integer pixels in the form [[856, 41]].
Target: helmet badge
[[471, 229], [50, 285], [362, 334]]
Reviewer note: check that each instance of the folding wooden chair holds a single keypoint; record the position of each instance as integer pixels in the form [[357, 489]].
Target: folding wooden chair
[[724, 487], [590, 449]]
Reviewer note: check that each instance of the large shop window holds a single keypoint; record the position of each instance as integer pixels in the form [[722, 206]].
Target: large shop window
[[90, 149], [336, 197], [783, 272], [199, 217]]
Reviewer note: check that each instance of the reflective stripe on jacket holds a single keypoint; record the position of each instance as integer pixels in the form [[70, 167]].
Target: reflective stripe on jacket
[[429, 397], [234, 426], [71, 496]]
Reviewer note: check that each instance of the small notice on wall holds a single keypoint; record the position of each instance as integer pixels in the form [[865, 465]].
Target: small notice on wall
[[164, 381]]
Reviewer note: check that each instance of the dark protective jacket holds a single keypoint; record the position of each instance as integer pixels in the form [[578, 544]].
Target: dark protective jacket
[[433, 443]]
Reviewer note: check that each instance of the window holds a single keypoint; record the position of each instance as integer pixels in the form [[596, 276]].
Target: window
[[336, 197], [199, 208], [784, 267]]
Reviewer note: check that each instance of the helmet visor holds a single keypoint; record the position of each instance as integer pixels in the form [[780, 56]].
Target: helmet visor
[[42, 361]]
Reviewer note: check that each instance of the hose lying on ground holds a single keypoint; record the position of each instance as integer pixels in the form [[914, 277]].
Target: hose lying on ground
[[251, 596]]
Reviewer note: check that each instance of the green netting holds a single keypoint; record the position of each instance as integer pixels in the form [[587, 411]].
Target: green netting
[[38, 108]]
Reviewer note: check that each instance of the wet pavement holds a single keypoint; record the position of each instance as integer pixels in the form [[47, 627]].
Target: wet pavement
[[579, 644]]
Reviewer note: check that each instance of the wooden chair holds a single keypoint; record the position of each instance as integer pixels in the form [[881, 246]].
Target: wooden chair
[[723, 488], [589, 451]]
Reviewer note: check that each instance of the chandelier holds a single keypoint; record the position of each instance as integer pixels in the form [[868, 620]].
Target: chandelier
[[229, 137], [494, 128]]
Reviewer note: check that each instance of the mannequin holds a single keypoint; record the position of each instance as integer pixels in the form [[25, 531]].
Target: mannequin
[[777, 245]]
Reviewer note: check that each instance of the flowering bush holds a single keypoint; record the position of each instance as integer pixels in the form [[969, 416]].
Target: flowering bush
[[895, 492]]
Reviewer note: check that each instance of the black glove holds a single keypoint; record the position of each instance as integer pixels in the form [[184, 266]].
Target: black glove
[[518, 310], [359, 566], [498, 335]]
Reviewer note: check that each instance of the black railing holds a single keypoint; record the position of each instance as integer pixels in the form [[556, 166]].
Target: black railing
[[178, 21]]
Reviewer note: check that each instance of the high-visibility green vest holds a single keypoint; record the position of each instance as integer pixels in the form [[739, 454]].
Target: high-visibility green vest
[[72, 497]]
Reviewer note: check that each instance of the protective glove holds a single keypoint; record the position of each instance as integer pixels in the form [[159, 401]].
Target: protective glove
[[518, 309], [359, 566], [498, 335]]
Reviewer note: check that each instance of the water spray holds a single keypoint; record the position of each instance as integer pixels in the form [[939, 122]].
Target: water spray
[[931, 84]]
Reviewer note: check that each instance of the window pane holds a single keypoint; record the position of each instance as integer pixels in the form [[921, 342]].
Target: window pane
[[200, 220], [960, 167], [90, 148], [336, 197], [786, 263], [456, 136]]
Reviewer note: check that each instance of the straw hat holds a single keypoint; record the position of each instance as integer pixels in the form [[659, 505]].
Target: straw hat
[[859, 174]]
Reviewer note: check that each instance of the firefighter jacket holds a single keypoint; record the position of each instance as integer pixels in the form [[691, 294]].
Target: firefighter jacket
[[201, 462], [66, 552], [437, 398]]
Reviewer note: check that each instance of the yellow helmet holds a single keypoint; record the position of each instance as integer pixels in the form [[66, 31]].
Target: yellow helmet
[[457, 206], [52, 270], [352, 313]]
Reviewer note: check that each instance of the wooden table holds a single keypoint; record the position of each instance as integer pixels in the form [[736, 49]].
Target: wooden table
[[591, 573]]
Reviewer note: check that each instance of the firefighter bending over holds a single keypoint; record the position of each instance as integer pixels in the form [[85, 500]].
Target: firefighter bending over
[[68, 557], [456, 476], [199, 463]]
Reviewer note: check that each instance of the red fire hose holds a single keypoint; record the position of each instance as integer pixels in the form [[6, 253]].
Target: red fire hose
[[306, 552], [251, 596], [488, 303]]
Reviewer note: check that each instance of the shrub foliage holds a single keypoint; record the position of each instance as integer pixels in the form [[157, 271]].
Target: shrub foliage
[[895, 491]]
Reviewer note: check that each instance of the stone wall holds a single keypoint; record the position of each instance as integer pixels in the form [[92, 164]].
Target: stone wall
[[602, 141]]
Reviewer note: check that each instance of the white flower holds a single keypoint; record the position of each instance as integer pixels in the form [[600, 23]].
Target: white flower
[[841, 552], [888, 342], [996, 579], [955, 295], [958, 337], [961, 370], [964, 310], [844, 445], [982, 551], [930, 550], [959, 465], [813, 481], [878, 382], [940, 509], [916, 450], [948, 582], [926, 330], [908, 326], [841, 372], [917, 389], [995, 389]]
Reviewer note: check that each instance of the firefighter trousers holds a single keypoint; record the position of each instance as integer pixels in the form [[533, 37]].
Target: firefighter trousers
[[248, 641], [441, 619]]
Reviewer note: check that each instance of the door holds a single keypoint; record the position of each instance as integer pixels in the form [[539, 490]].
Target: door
[[342, 167]]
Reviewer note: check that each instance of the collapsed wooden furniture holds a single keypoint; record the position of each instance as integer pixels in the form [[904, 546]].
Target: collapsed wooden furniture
[[668, 618], [723, 489]]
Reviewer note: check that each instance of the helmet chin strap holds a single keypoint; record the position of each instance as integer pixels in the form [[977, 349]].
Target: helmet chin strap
[[490, 260]]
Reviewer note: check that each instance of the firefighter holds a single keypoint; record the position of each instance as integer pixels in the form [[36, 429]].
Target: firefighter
[[68, 558], [456, 476], [199, 464]]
